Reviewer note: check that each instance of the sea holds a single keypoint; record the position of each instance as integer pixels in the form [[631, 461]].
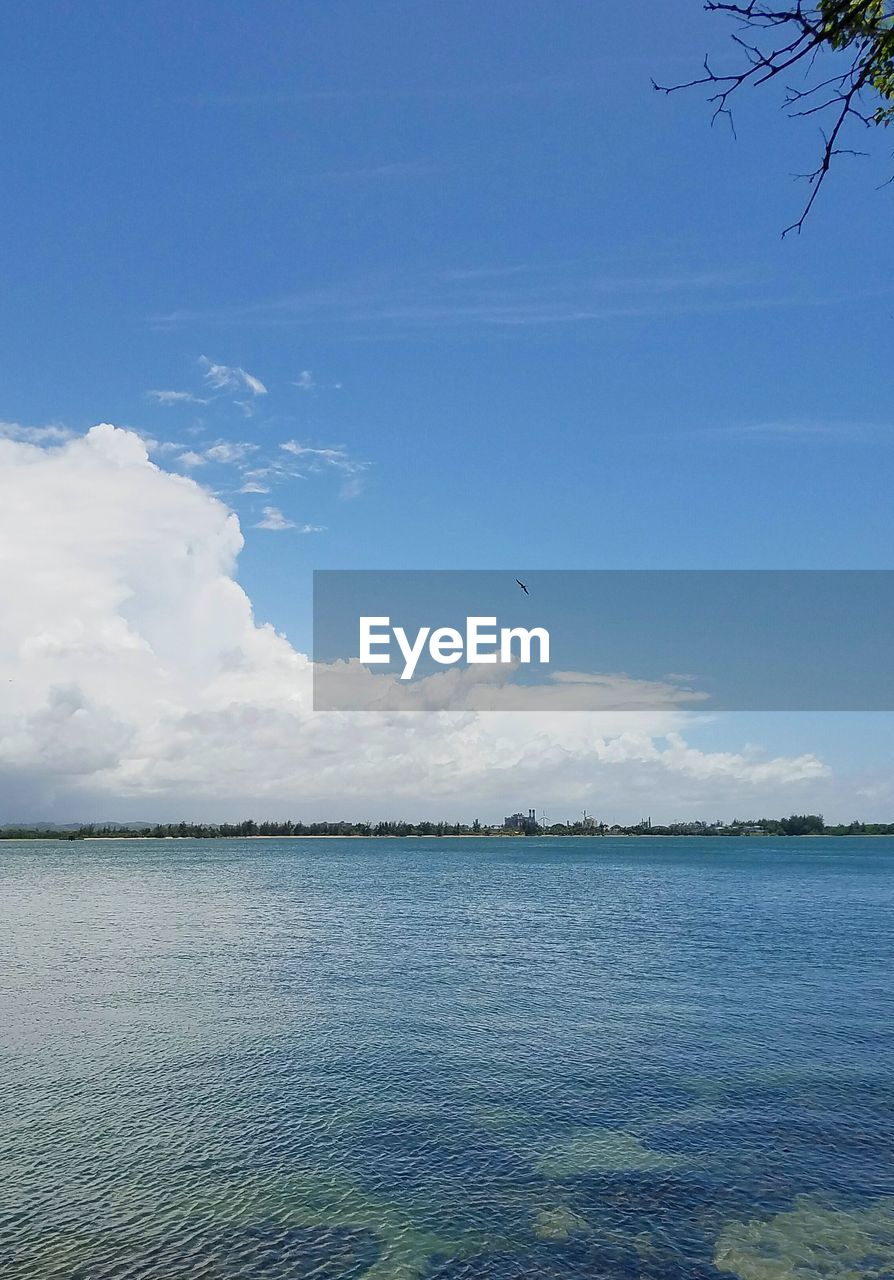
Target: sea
[[470, 1059]]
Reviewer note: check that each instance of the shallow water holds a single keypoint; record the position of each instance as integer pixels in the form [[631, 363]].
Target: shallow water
[[470, 1059]]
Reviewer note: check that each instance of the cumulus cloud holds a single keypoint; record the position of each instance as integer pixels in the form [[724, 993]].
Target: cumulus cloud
[[136, 681]]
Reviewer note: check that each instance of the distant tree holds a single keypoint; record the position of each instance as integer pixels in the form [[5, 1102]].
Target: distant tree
[[855, 87], [803, 824]]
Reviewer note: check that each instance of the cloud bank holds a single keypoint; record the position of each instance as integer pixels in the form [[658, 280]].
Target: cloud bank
[[135, 682]]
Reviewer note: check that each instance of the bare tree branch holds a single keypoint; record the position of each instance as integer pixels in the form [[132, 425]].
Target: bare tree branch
[[859, 32]]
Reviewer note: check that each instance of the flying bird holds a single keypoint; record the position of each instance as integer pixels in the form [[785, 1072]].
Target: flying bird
[[523, 587]]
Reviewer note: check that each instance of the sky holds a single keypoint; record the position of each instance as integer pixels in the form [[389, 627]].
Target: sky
[[409, 285]]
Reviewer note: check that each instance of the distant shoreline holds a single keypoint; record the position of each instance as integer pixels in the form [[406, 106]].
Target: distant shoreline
[[48, 838], [518, 826]]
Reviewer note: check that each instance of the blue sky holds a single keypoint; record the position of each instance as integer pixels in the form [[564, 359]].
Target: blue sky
[[529, 312]]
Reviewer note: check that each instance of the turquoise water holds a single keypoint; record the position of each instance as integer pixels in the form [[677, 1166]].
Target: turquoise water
[[464, 1059]]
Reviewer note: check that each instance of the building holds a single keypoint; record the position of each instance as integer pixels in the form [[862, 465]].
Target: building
[[518, 822]]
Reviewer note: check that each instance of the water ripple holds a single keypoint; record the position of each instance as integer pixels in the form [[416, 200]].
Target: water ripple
[[468, 1060]]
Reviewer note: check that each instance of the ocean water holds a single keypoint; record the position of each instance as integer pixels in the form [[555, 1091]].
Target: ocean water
[[465, 1059]]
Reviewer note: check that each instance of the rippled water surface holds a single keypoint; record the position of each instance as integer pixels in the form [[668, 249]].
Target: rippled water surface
[[653, 1059]]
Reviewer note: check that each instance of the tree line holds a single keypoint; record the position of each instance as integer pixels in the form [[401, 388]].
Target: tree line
[[803, 824]]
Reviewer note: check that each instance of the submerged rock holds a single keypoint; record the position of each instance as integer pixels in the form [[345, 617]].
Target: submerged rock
[[812, 1241], [602, 1151], [557, 1223]]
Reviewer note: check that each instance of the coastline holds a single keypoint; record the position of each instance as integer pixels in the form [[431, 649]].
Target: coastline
[[508, 836]]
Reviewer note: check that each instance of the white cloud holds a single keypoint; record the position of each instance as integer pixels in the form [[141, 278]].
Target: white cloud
[[218, 375], [335, 456], [34, 435], [255, 385], [801, 431], [230, 451], [191, 459], [510, 296], [274, 519], [307, 382], [136, 682], [175, 397], [330, 458], [224, 378]]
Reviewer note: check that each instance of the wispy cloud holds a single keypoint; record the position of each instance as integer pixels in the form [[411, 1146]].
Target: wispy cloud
[[335, 458], [352, 488], [497, 297], [255, 385], [332, 458], [223, 377], [175, 397], [506, 297], [275, 520], [583, 79], [230, 451], [316, 459], [307, 382], [191, 459], [52, 434], [266, 98], [380, 172], [799, 431]]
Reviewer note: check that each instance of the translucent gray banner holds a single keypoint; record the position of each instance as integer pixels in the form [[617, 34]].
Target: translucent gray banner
[[607, 640]]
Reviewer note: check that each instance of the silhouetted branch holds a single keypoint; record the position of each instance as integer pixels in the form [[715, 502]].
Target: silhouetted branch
[[861, 32]]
